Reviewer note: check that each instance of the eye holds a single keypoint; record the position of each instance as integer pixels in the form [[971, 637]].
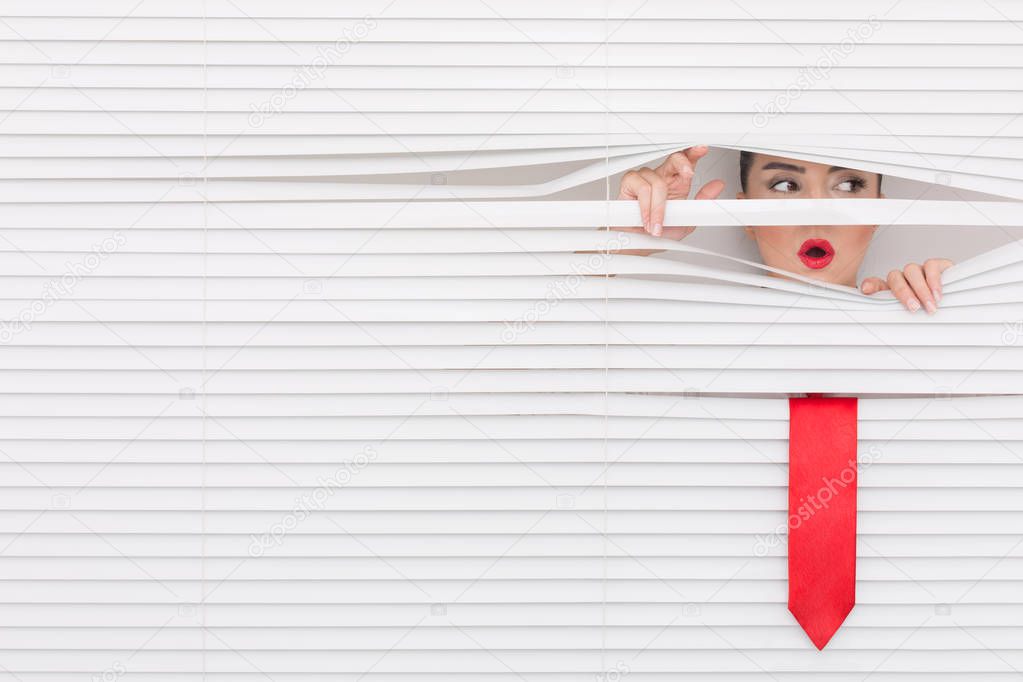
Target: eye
[[851, 185], [785, 186]]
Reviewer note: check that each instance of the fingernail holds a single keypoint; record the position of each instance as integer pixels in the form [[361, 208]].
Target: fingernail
[[937, 294], [930, 307], [913, 305], [657, 229]]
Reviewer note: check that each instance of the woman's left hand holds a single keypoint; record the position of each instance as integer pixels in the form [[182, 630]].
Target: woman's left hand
[[914, 285]]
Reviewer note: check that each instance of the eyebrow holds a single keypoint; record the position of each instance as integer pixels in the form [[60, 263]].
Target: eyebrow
[[783, 166], [780, 165]]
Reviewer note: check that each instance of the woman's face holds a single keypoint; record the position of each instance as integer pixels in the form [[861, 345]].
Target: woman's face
[[832, 253]]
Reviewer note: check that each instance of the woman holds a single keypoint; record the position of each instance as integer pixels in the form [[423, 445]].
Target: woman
[[830, 253]]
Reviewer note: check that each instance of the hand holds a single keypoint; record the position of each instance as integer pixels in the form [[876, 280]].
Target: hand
[[671, 180], [913, 285], [653, 187]]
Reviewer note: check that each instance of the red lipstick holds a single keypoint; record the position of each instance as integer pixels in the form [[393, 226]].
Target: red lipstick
[[816, 253]]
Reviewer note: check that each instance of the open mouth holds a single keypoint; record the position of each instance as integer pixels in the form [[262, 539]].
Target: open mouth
[[816, 253]]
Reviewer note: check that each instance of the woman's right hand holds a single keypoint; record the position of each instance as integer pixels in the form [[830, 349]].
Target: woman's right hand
[[671, 180]]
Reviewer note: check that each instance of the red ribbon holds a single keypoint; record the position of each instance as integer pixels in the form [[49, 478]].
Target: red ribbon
[[822, 513]]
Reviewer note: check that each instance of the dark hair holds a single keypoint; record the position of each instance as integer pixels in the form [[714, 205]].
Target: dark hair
[[746, 163]]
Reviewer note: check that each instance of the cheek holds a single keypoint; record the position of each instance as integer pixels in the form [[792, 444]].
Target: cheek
[[780, 239], [858, 237]]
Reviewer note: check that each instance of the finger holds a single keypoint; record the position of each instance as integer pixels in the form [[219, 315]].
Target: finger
[[677, 233], [712, 190], [914, 275], [634, 230], [695, 153], [685, 159], [676, 164], [631, 183], [679, 169], [635, 186], [678, 172], [658, 199], [872, 285], [932, 272], [902, 291]]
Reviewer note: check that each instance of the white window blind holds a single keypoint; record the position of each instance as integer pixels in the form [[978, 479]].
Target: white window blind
[[289, 395]]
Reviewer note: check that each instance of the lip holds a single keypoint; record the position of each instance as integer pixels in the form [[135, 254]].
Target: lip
[[816, 261]]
